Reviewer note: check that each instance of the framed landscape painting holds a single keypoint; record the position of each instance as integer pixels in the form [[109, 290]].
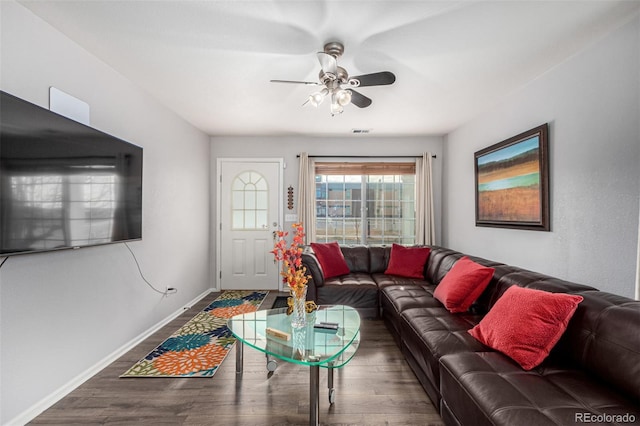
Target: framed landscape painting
[[512, 182]]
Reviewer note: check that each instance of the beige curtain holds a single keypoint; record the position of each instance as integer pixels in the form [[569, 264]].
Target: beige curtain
[[307, 196], [425, 220]]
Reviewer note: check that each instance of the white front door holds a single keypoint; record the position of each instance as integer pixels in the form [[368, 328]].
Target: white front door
[[250, 200]]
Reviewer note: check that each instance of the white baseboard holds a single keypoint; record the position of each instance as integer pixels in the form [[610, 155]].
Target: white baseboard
[[36, 409]]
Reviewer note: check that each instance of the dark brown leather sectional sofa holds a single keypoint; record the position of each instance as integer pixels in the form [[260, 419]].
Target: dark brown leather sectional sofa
[[591, 376]]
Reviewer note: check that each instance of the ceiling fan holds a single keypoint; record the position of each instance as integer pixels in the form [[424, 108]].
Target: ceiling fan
[[338, 85]]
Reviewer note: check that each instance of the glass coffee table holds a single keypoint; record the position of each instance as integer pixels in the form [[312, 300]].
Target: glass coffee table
[[270, 331]]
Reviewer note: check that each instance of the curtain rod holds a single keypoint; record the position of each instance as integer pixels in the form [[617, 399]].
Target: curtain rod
[[364, 156]]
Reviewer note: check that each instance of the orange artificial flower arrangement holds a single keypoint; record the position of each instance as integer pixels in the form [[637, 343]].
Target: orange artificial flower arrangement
[[293, 273]]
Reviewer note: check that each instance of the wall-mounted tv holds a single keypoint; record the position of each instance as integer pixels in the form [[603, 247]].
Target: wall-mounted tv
[[63, 184]]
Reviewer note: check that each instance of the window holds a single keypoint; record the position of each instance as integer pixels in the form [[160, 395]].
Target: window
[[365, 203], [249, 201]]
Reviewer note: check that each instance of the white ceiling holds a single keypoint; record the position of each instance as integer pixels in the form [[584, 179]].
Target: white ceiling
[[211, 61]]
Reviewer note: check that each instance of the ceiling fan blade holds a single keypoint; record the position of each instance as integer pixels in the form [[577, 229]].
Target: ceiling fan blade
[[296, 82], [328, 63], [359, 100], [376, 79]]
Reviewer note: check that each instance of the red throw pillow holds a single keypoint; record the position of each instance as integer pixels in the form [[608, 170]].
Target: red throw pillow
[[463, 284], [407, 261], [331, 259], [525, 324]]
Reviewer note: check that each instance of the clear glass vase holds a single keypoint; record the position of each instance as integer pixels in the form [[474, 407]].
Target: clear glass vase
[[299, 343], [298, 316]]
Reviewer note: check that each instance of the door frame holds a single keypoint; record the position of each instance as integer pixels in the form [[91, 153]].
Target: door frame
[[218, 226]]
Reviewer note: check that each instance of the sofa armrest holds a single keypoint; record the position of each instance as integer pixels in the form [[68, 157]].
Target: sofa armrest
[[310, 261]]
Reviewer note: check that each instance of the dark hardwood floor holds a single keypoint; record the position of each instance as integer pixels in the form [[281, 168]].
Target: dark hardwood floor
[[376, 388]]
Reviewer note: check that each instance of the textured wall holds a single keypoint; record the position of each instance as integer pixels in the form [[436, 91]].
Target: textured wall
[[592, 104]]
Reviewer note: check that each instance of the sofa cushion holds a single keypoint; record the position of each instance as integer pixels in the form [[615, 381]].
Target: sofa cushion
[[440, 262], [463, 284], [331, 259], [402, 297], [384, 280], [431, 332], [509, 276], [487, 388], [603, 338], [407, 261], [357, 258], [356, 289], [379, 258], [525, 324], [394, 299]]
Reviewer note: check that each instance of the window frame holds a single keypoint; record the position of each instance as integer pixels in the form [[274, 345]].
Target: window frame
[[363, 219]]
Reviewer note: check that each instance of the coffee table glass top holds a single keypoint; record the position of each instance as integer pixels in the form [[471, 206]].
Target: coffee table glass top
[[307, 346]]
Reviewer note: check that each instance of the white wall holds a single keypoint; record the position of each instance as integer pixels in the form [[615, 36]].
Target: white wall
[[592, 104], [63, 313], [288, 147]]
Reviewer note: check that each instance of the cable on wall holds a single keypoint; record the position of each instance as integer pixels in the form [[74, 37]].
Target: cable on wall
[[169, 290], [4, 260]]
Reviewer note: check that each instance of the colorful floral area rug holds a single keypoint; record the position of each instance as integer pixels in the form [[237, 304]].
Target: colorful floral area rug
[[198, 348]]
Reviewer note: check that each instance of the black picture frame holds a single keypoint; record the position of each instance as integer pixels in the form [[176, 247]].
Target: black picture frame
[[512, 182]]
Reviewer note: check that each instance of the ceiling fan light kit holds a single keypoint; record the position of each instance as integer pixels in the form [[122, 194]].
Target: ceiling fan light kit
[[334, 77], [316, 98]]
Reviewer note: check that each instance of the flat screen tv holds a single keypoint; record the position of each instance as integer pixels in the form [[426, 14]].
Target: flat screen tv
[[64, 185]]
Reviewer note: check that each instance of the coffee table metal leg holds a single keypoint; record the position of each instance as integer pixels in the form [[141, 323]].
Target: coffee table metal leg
[[314, 395], [239, 357], [332, 391]]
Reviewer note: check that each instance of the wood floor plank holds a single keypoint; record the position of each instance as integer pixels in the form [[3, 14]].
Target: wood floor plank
[[376, 388]]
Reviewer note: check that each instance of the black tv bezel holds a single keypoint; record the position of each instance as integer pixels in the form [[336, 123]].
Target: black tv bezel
[[90, 129]]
